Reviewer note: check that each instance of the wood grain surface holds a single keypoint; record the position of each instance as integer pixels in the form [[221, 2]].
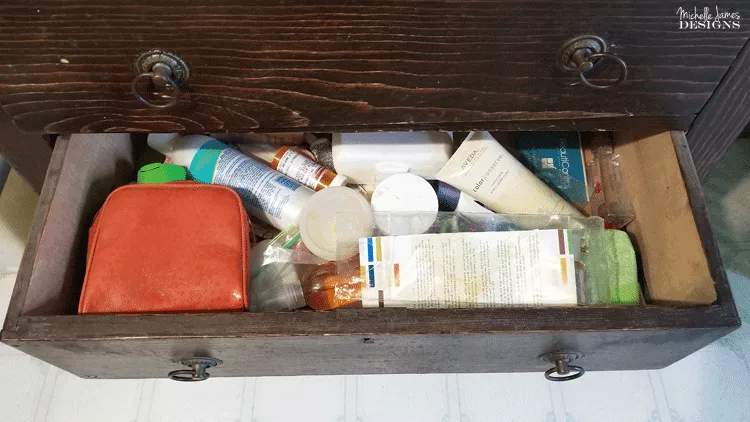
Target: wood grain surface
[[154, 357], [28, 154], [66, 65], [725, 116], [700, 213], [41, 213]]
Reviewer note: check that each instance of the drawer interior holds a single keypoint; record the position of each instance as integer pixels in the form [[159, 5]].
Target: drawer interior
[[673, 264]]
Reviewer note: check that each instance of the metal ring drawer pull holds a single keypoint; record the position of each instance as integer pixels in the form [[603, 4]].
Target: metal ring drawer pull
[[581, 54], [563, 370], [159, 80], [198, 369], [165, 72], [619, 80]]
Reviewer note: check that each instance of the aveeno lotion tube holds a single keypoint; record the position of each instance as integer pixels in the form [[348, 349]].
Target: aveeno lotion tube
[[483, 169]]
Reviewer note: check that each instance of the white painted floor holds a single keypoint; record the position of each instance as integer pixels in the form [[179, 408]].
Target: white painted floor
[[712, 384]]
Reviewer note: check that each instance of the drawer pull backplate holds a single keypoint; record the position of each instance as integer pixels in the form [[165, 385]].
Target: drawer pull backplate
[[581, 54], [164, 73]]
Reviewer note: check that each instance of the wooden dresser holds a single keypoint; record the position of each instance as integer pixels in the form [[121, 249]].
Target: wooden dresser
[[101, 73]]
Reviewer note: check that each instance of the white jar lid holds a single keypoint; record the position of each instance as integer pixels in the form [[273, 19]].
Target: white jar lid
[[404, 204], [333, 221]]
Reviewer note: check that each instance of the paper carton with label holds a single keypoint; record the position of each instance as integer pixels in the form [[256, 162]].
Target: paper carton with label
[[468, 270]]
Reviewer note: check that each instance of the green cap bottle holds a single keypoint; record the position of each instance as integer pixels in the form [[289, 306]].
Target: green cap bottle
[[161, 173]]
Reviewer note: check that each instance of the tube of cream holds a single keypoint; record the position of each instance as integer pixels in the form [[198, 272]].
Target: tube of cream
[[485, 170]]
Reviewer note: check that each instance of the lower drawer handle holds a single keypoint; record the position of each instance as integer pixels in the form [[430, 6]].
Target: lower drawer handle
[[198, 369], [558, 374], [563, 370]]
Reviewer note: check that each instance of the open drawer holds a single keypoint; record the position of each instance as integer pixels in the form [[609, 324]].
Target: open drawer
[[680, 270]]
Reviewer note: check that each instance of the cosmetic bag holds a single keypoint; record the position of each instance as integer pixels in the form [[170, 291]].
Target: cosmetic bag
[[165, 248]]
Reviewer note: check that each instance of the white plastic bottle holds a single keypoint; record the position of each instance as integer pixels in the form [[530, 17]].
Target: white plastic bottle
[[359, 156], [266, 193]]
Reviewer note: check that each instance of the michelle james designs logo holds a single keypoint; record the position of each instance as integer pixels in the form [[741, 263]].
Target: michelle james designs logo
[[708, 18]]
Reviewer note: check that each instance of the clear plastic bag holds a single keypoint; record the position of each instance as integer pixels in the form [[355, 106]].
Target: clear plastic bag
[[609, 198], [479, 260], [278, 267], [287, 247]]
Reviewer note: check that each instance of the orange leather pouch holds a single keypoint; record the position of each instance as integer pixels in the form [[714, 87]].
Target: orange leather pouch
[[175, 247]]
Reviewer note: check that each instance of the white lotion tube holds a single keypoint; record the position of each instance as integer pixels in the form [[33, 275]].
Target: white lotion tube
[[485, 170]]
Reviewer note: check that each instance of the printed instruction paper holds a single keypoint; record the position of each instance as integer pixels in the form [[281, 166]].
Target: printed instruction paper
[[466, 270]]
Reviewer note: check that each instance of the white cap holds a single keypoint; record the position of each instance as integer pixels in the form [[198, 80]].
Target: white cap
[[339, 180], [404, 204], [162, 141], [181, 149], [333, 221]]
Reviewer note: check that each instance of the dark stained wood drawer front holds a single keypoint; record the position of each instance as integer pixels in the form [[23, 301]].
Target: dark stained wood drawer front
[[67, 66], [682, 275]]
